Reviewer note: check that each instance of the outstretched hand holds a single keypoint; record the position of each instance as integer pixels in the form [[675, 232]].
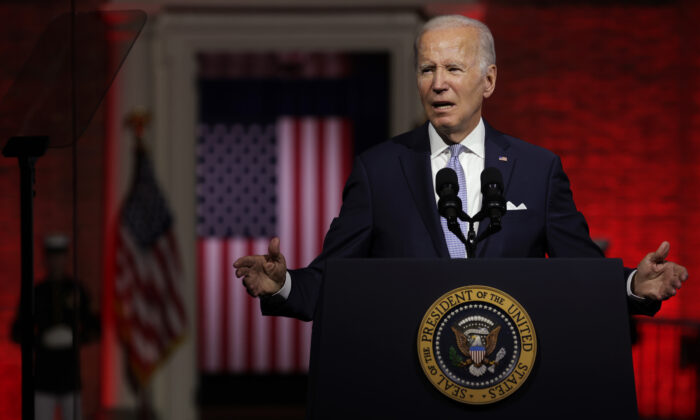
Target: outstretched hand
[[263, 275], [657, 278]]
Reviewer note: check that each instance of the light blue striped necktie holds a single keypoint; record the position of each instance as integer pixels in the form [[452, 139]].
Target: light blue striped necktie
[[454, 245]]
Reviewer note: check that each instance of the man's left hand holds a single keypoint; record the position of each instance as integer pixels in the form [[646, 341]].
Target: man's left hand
[[657, 278]]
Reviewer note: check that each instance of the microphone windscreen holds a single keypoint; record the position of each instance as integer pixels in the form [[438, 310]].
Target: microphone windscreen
[[491, 176], [446, 176]]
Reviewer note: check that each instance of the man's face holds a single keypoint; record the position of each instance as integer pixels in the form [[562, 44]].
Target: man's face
[[56, 264], [451, 83]]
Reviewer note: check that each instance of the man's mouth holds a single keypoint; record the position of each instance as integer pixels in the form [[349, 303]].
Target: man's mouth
[[442, 105]]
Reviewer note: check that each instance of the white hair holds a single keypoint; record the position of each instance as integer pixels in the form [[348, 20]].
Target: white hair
[[487, 50]]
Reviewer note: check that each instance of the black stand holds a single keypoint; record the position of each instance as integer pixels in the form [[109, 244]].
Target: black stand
[[27, 150], [471, 240]]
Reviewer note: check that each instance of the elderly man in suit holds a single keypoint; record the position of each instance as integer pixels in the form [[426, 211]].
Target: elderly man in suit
[[389, 203]]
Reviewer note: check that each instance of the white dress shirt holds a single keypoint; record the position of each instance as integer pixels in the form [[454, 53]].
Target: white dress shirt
[[473, 161]]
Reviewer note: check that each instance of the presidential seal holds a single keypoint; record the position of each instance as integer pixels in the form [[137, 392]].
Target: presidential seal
[[477, 344]]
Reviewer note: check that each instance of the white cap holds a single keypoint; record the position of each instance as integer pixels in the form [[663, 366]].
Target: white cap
[[56, 242]]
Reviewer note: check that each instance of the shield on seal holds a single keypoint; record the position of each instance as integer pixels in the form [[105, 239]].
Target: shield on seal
[[477, 353]]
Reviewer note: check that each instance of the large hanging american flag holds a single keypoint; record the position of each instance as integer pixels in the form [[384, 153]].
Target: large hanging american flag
[[150, 312], [256, 181], [274, 148]]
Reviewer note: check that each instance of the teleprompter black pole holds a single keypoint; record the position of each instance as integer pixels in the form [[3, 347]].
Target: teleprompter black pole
[[27, 150]]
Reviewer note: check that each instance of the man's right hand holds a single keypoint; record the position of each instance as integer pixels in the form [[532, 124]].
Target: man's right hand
[[263, 275]]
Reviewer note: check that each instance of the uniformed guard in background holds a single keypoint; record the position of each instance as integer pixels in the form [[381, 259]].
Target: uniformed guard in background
[[63, 322]]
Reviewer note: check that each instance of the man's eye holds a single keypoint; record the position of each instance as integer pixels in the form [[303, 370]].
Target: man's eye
[[426, 70], [454, 69]]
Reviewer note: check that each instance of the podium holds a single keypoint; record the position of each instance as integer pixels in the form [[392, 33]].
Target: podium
[[364, 356]]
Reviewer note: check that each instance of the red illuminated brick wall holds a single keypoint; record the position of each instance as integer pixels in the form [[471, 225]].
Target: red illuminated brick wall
[[615, 91]]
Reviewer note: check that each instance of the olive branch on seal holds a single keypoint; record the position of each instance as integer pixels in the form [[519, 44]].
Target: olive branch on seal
[[455, 358]]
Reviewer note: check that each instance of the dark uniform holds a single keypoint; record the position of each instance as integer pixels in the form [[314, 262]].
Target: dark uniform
[[59, 303]]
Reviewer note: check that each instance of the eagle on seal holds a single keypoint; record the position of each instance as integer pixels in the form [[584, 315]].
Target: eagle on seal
[[477, 347]]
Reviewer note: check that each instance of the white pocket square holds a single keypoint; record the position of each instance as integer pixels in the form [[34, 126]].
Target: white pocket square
[[510, 206]]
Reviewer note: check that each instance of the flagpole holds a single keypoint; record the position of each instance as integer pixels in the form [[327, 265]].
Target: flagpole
[[137, 120], [145, 406]]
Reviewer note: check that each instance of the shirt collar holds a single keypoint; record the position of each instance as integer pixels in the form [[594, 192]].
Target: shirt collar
[[474, 141]]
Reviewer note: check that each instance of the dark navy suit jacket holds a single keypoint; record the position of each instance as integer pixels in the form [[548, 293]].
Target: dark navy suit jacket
[[389, 211]]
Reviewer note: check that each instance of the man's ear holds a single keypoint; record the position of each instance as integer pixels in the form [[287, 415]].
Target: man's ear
[[490, 80]]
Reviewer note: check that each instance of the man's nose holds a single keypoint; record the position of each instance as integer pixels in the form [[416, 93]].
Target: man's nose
[[439, 84]]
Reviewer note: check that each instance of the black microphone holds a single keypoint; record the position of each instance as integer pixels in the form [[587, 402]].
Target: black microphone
[[494, 205], [447, 187]]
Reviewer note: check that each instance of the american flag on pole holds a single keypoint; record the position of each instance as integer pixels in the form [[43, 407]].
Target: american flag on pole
[[256, 181], [150, 311]]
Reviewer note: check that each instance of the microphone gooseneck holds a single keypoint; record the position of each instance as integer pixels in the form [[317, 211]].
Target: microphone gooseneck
[[450, 205]]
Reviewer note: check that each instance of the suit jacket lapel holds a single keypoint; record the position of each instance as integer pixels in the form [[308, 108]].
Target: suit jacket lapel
[[499, 156], [415, 163]]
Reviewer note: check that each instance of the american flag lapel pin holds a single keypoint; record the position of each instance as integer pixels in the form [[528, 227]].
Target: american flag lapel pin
[[503, 158]]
